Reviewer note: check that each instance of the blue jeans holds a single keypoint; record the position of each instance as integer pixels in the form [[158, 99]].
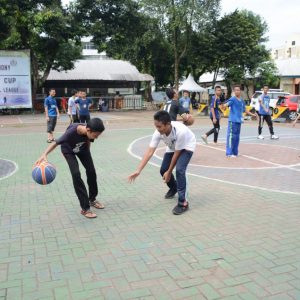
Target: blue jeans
[[181, 165], [233, 138]]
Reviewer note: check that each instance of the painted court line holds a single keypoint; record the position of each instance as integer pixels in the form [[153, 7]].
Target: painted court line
[[13, 172], [130, 151]]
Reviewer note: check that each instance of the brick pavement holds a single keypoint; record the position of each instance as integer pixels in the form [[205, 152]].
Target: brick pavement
[[234, 243]]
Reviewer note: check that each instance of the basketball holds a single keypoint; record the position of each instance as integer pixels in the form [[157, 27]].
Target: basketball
[[43, 173], [189, 121]]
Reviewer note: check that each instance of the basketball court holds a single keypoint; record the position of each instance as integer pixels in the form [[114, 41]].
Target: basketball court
[[239, 240]]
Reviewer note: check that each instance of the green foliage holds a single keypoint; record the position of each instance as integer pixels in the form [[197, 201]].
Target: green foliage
[[50, 32]]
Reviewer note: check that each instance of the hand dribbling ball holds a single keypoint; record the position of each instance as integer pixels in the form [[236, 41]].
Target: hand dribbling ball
[[43, 173], [190, 120]]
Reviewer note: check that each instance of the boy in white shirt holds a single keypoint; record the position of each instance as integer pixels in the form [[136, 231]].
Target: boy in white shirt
[[181, 144]]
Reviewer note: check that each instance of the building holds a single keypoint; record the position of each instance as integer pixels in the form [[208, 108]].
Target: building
[[98, 75], [290, 49], [287, 60]]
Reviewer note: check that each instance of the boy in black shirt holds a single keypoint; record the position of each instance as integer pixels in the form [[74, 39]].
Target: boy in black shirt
[[173, 106], [76, 142]]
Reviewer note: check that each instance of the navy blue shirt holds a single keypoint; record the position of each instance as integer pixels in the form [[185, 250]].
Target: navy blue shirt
[[51, 104], [174, 108], [215, 102], [71, 142], [83, 106], [237, 108]]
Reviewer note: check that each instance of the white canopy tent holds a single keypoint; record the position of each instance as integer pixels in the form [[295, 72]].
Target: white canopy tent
[[190, 85]]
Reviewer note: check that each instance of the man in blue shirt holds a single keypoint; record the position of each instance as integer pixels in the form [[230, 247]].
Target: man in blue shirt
[[84, 105], [237, 108], [214, 116], [264, 114], [52, 113], [185, 101]]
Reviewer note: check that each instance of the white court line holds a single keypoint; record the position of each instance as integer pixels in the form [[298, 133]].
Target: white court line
[[13, 172], [20, 121], [129, 150]]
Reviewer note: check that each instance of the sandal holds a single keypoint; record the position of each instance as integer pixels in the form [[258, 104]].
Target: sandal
[[88, 214], [96, 204]]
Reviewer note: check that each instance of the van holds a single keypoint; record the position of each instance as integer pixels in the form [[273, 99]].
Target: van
[[274, 95]]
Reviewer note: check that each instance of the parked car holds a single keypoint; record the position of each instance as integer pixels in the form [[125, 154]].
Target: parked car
[[274, 95], [292, 102]]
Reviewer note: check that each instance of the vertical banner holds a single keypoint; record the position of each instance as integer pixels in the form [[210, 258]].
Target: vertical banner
[[15, 79]]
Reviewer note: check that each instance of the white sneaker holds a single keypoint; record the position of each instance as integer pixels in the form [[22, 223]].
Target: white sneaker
[[204, 138], [260, 137], [233, 156], [274, 137]]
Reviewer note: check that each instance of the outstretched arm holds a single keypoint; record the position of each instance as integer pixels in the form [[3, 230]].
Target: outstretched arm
[[47, 151], [148, 154]]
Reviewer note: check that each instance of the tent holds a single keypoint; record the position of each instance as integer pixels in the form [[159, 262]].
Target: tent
[[190, 85]]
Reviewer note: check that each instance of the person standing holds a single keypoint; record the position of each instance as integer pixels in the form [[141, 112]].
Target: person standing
[[181, 144], [237, 108], [214, 116], [84, 104], [75, 143], [63, 103], [52, 113], [72, 108], [185, 101], [173, 107], [264, 114]]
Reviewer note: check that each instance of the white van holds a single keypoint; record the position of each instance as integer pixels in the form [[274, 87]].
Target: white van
[[274, 94]]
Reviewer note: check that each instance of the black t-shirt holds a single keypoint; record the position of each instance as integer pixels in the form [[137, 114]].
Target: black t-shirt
[[73, 143], [174, 108]]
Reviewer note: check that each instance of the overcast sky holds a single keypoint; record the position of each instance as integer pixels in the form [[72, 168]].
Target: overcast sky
[[282, 16]]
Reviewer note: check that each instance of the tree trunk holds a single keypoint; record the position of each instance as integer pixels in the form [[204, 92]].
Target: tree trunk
[[215, 77]]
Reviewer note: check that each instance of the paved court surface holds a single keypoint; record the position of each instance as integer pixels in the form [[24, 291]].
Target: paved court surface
[[240, 239]]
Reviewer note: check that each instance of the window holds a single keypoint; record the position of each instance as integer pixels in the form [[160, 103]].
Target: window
[[294, 99], [257, 94], [293, 43]]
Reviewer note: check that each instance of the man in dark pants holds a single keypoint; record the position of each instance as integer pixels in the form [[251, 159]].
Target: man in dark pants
[[264, 114], [75, 142], [181, 144], [214, 116], [52, 113], [84, 104]]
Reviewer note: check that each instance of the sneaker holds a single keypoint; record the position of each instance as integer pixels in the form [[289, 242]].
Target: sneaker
[[180, 209], [170, 194], [204, 138], [274, 137], [234, 156], [260, 137]]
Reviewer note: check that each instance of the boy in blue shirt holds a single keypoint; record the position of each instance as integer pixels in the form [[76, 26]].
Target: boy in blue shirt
[[214, 116], [84, 104], [237, 108], [52, 113], [72, 108], [185, 101], [264, 114]]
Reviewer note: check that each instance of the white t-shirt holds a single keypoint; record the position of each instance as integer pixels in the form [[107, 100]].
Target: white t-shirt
[[180, 138], [71, 103]]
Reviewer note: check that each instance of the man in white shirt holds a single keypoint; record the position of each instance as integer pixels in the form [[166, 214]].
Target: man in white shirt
[[72, 109], [181, 144]]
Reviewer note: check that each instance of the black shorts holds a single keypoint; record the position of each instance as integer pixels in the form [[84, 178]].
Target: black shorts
[[51, 124]]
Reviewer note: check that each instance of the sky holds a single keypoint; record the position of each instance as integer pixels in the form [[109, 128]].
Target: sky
[[282, 16]]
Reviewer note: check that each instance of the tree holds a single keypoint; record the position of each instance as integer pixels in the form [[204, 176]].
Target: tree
[[240, 46], [178, 20], [50, 32]]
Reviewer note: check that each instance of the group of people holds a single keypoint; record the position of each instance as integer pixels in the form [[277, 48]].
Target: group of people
[[237, 109], [179, 139], [78, 110]]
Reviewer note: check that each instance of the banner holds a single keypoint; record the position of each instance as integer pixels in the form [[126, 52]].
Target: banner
[[15, 79]]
